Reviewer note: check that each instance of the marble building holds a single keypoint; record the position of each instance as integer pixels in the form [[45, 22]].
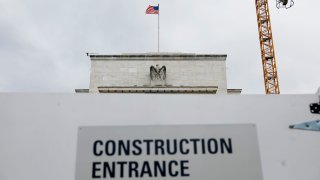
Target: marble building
[[159, 73]]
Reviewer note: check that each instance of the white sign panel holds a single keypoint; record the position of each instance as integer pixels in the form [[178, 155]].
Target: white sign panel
[[197, 152]]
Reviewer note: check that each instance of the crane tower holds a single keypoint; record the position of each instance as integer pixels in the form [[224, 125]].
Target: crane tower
[[266, 44]]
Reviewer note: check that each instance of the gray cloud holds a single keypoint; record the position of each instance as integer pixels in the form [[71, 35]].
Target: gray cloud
[[43, 43]]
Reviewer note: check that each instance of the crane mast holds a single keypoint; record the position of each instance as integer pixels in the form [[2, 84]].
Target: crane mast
[[267, 48]]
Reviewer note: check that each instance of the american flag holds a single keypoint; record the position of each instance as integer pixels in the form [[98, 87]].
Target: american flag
[[152, 10]]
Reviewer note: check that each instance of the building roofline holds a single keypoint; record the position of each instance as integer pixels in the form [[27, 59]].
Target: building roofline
[[159, 56]]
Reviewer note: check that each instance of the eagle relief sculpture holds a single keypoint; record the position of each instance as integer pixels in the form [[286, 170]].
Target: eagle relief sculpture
[[158, 75]]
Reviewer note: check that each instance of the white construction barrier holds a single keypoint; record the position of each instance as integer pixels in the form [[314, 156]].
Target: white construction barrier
[[39, 132]]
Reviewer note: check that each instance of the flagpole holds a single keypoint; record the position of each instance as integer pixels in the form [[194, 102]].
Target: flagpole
[[158, 27]]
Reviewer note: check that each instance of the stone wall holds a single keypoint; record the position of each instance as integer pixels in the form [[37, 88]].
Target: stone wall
[[181, 70]]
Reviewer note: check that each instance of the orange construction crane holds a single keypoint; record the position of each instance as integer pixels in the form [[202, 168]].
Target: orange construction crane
[[266, 44]]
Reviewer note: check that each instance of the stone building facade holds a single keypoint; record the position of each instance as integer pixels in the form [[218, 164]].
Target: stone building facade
[[159, 73]]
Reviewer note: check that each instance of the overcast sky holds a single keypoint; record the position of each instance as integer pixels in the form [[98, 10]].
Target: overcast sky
[[43, 42]]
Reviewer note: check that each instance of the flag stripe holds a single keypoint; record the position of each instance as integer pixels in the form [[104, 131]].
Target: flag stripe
[[152, 10]]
